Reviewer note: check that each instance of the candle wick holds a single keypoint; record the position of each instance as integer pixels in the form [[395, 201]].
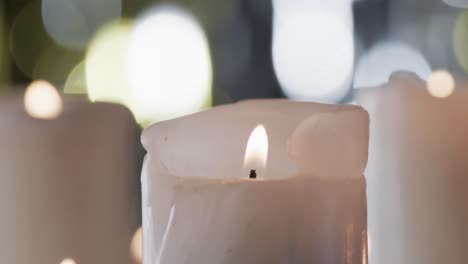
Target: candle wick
[[253, 174]]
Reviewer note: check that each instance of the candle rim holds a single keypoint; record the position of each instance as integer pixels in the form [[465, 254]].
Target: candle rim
[[172, 140], [162, 169], [262, 103]]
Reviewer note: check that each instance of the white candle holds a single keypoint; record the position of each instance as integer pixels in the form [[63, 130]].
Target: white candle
[[417, 170], [68, 191], [307, 205]]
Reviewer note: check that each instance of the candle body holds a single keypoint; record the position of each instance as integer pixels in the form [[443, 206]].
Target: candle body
[[68, 186], [300, 220], [192, 213], [417, 173]]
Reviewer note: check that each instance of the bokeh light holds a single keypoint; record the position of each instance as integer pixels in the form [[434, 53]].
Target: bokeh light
[[41, 100], [28, 38], [35, 54], [457, 3], [106, 64], [441, 84], [169, 64], [460, 40], [313, 52], [76, 80], [72, 22], [136, 245], [4, 56], [375, 67], [68, 261], [54, 63]]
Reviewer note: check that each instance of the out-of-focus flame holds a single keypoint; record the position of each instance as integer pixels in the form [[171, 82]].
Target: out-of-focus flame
[[441, 84], [136, 245], [41, 100], [256, 152], [68, 261]]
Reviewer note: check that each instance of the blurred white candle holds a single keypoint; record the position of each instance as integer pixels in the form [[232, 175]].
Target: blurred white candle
[[68, 180], [307, 204], [417, 170]]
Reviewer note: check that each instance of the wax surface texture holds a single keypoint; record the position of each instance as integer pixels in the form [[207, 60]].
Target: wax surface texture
[[307, 206]]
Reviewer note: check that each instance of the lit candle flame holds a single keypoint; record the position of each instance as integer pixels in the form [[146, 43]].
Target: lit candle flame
[[256, 152]]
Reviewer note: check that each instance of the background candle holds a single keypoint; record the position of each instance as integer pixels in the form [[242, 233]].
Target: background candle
[[68, 185], [199, 205], [417, 171]]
